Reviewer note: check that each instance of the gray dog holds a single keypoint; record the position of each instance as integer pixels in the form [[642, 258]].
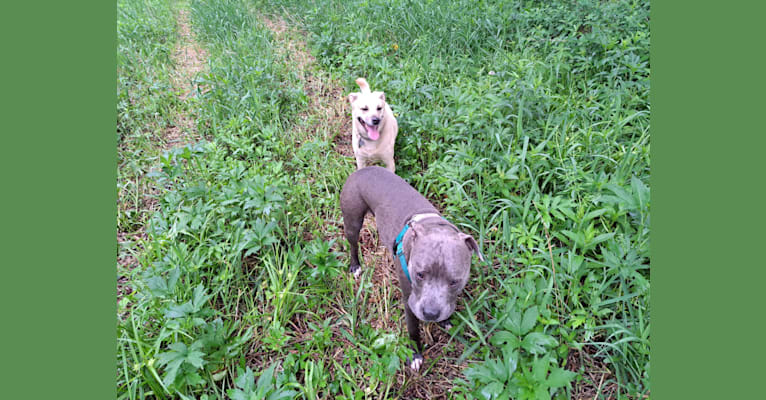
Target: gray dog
[[432, 257]]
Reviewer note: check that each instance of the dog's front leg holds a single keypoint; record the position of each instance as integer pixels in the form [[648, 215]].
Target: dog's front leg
[[360, 163], [413, 328], [390, 164]]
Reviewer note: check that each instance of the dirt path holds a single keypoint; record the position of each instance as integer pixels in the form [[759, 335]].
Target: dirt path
[[326, 113], [189, 59], [327, 117]]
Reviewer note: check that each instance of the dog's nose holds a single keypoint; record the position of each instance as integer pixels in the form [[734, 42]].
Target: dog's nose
[[430, 314], [375, 120]]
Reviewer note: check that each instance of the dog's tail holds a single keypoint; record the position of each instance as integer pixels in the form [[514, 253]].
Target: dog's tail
[[363, 85]]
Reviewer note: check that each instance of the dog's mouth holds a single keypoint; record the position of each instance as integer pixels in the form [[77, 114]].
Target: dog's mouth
[[371, 130]]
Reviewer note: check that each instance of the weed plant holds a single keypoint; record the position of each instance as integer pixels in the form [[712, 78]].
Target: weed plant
[[525, 122]]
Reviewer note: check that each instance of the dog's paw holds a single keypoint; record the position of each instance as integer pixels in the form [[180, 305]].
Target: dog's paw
[[356, 270], [446, 324], [416, 362]]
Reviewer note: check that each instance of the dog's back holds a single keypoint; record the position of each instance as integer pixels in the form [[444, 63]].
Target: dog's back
[[390, 198]]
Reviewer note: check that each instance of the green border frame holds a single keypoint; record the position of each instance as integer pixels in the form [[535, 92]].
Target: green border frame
[[58, 167], [58, 163], [707, 194]]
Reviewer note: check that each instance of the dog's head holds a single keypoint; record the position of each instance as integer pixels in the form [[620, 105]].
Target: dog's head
[[367, 111], [439, 265]]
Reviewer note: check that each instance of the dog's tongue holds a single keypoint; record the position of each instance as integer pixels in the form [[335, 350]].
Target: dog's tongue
[[372, 132]]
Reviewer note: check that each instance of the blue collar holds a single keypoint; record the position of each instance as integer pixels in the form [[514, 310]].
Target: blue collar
[[399, 245], [399, 242]]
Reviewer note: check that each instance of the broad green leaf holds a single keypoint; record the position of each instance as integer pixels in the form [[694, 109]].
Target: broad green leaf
[[158, 286], [505, 339], [179, 311], [480, 372], [237, 394], [383, 340], [627, 200], [567, 212], [282, 394], [175, 273], [172, 359], [640, 190], [593, 214], [540, 368], [195, 356], [194, 379], [177, 351], [171, 372], [510, 361], [393, 364], [513, 322], [245, 380], [499, 370], [529, 320], [560, 377], [492, 390], [577, 237], [576, 321], [178, 354], [199, 297], [541, 393], [600, 238], [537, 342], [265, 380]]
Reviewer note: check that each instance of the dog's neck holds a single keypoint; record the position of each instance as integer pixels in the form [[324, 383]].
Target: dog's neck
[[422, 216], [435, 218]]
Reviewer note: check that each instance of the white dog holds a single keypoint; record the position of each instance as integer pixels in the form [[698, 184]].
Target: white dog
[[373, 128]]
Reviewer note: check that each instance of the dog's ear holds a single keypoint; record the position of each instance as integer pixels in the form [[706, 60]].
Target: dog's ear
[[472, 245], [352, 97], [381, 95]]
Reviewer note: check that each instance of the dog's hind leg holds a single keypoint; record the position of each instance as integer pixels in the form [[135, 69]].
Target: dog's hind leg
[[353, 210]]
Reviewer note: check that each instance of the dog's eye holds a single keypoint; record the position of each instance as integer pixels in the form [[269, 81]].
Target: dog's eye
[[380, 108], [453, 283], [365, 108], [419, 275]]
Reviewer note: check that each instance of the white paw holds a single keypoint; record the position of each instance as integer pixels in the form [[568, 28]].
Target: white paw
[[416, 362], [357, 273]]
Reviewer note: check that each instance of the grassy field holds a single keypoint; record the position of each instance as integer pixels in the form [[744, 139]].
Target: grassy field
[[525, 122]]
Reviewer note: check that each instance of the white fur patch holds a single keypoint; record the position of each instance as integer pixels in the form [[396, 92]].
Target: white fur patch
[[416, 363]]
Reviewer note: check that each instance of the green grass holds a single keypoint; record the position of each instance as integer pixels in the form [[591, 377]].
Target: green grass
[[527, 123]]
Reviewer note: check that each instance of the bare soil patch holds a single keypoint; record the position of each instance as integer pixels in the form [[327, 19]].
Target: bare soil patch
[[598, 381], [189, 59]]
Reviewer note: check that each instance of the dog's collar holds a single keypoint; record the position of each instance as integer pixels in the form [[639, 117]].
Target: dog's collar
[[399, 242]]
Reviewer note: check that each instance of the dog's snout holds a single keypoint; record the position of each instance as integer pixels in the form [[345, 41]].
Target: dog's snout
[[430, 314], [375, 120]]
